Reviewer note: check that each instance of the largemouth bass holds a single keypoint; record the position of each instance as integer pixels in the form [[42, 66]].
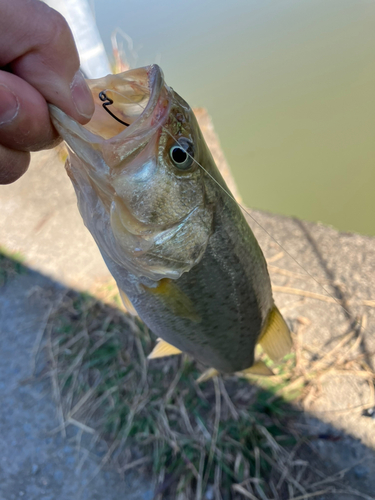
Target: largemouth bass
[[175, 241]]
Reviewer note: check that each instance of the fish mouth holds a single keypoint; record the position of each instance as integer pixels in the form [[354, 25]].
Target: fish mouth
[[138, 106], [113, 163]]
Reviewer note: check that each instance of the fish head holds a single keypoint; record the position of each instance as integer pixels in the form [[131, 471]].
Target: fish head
[[137, 175]]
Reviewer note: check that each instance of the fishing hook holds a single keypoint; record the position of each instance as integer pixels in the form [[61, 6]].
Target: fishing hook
[[107, 102]]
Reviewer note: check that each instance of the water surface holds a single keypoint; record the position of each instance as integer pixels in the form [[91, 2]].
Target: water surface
[[290, 86]]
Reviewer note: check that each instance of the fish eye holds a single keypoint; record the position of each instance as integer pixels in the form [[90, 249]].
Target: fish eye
[[182, 154]]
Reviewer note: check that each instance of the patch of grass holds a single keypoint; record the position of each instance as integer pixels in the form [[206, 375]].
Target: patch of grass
[[108, 293], [225, 439], [10, 264]]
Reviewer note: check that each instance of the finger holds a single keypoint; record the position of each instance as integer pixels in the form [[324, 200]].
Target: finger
[[38, 45], [13, 164], [24, 118]]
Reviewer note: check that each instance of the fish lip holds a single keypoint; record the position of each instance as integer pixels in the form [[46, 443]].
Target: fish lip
[[156, 83], [66, 125]]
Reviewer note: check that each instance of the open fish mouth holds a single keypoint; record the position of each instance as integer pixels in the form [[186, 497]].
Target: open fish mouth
[[136, 105], [132, 98]]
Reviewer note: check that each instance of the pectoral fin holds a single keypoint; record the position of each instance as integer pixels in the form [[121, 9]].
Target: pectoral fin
[[174, 299], [275, 339], [162, 349]]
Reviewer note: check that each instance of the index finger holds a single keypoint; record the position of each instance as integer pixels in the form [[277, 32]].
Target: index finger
[[38, 46]]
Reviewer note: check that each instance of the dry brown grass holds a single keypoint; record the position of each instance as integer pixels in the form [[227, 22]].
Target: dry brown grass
[[224, 439]]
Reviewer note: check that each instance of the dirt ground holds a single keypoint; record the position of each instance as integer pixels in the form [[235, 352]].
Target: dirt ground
[[39, 219]]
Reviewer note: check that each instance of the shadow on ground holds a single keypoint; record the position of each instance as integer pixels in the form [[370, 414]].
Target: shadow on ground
[[85, 416]]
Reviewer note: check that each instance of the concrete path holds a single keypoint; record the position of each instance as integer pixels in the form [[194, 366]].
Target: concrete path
[[39, 219]]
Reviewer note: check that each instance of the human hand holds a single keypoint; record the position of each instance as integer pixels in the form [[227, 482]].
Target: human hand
[[39, 64]]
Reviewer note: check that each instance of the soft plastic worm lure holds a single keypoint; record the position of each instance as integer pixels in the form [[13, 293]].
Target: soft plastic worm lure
[[107, 102]]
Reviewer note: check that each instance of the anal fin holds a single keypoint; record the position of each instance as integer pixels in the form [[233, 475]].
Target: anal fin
[[163, 349], [259, 368], [206, 375], [275, 339]]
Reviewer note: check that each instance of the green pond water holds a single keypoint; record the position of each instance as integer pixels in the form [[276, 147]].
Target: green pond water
[[290, 86]]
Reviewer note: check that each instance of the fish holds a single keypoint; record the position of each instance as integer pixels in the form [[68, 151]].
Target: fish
[[170, 232]]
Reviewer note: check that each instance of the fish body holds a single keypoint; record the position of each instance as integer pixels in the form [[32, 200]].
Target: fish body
[[175, 241]]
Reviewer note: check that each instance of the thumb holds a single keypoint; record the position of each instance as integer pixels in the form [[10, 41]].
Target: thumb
[[38, 46]]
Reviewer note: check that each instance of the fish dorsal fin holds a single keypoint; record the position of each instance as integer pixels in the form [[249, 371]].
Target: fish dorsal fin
[[127, 304], [259, 368], [210, 373], [163, 349], [275, 339]]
